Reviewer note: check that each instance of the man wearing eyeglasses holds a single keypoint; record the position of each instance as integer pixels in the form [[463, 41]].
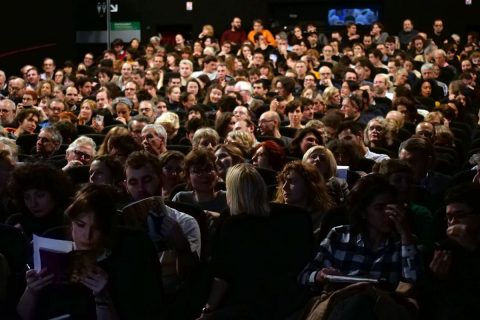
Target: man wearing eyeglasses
[[80, 152]]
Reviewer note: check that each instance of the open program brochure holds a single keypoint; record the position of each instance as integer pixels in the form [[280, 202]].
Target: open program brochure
[[60, 259]]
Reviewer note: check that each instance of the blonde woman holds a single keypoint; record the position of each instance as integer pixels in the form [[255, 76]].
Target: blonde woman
[[324, 160]]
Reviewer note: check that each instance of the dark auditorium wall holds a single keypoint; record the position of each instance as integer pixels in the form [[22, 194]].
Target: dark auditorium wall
[[35, 29], [32, 30]]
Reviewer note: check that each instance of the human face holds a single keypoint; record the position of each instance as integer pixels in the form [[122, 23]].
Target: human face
[[295, 117], [46, 89], [267, 125], [426, 89], [185, 70], [348, 109], [172, 173], [438, 27], [83, 153], [407, 25], [192, 87], [378, 221], [71, 96], [45, 144], [348, 137], [48, 66], [375, 132], [461, 213], [6, 113], [179, 39], [58, 78], [162, 107], [102, 100], [88, 60], [215, 95], [237, 23], [241, 113], [33, 77], [301, 68], [39, 202], [126, 70], [425, 130], [86, 111], [309, 141], [130, 89], [260, 159], [379, 85], [136, 130], [86, 89], [319, 160], [28, 101], [223, 161], [146, 109], [175, 94], [123, 111], [29, 124], [466, 65], [85, 232], [152, 142], [203, 177], [143, 182], [294, 189], [100, 173]]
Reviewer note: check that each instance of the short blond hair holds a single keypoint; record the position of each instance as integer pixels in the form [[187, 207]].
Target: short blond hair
[[246, 191]]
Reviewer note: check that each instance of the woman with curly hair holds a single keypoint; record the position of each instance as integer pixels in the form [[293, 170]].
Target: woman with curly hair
[[300, 184], [41, 193], [268, 155], [379, 134]]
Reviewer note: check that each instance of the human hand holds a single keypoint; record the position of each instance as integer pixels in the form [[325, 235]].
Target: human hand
[[441, 263], [122, 120], [397, 215], [97, 126], [274, 105], [36, 281], [96, 280], [321, 275], [464, 235]]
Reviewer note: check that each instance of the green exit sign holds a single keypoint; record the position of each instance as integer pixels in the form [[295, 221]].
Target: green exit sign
[[132, 25]]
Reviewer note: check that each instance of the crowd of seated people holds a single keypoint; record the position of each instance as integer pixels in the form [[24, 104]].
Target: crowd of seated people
[[258, 175]]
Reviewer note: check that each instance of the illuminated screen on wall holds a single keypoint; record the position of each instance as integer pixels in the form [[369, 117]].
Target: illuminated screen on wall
[[360, 16]]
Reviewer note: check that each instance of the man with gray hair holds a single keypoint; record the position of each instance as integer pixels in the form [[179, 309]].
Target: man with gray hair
[[441, 89], [3, 84], [447, 72], [80, 152], [154, 139], [7, 112], [48, 143]]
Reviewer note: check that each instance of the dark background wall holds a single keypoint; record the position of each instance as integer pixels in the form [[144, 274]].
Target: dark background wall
[[32, 29]]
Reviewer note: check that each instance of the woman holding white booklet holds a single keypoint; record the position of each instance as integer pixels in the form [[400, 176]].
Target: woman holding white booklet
[[123, 280]]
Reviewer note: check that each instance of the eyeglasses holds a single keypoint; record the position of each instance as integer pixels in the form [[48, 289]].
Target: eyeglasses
[[81, 154]]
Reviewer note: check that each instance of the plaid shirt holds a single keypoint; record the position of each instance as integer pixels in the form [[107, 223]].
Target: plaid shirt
[[350, 254]]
